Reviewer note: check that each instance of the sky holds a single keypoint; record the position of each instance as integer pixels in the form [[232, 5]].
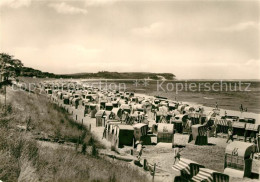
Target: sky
[[193, 39]]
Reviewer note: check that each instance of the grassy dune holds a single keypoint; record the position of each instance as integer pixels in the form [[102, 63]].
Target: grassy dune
[[23, 158]]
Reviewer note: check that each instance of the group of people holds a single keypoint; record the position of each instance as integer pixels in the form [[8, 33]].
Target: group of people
[[242, 109], [140, 147], [130, 119], [252, 137]]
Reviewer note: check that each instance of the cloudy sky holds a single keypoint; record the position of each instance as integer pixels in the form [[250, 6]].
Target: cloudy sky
[[216, 39]]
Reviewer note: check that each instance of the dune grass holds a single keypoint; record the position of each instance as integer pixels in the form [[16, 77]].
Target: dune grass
[[37, 114], [24, 159]]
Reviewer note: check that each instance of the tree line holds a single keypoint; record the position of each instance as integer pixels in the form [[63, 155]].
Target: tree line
[[11, 66]]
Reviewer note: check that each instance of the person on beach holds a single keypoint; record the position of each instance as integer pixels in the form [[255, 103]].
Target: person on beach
[[230, 135], [252, 137], [104, 133], [113, 115], [177, 155], [257, 143], [216, 105], [146, 119], [139, 117], [139, 149], [173, 144], [241, 108], [127, 118], [188, 126]]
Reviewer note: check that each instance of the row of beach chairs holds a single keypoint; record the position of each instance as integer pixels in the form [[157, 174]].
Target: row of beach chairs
[[190, 171]]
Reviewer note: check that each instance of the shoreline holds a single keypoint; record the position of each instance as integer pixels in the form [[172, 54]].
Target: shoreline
[[227, 101], [256, 116]]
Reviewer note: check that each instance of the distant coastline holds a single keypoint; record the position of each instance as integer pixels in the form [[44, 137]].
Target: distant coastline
[[31, 72]]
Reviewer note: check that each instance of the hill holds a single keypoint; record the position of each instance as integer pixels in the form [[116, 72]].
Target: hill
[[30, 72]]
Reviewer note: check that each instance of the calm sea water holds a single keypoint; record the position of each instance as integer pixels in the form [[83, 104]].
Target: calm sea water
[[228, 94]]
